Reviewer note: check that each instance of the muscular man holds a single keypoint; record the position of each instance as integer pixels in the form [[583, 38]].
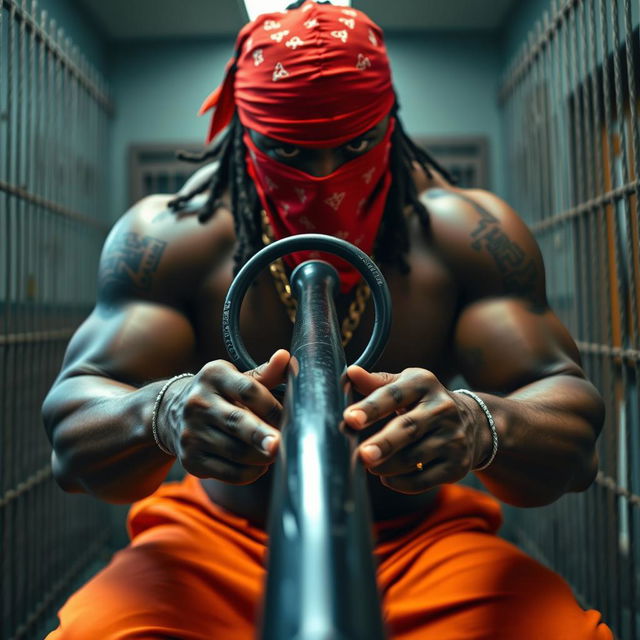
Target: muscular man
[[308, 138]]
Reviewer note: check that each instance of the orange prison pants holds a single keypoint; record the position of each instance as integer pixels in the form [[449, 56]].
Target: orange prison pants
[[194, 571]]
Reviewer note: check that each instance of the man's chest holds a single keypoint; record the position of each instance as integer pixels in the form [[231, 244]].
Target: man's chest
[[424, 305]]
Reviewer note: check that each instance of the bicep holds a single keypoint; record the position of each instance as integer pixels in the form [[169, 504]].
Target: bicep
[[133, 342], [502, 344], [113, 352]]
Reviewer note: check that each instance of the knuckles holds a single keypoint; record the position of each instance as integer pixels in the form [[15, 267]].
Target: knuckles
[[447, 406], [216, 369], [247, 389], [193, 405], [222, 374], [421, 379], [410, 426], [188, 441], [233, 419]]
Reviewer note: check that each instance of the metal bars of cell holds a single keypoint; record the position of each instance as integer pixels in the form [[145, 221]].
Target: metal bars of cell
[[54, 117], [570, 107]]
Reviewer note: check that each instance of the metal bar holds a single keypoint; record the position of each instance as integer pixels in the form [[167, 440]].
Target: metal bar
[[321, 579], [53, 543], [624, 281], [575, 185], [25, 486], [20, 524], [555, 133], [33, 419], [62, 542], [610, 484], [4, 255], [527, 101], [30, 337], [23, 194], [610, 462], [631, 404], [583, 253], [635, 136], [546, 164], [42, 505], [9, 520], [535, 175], [580, 176], [625, 575], [594, 569], [609, 197]]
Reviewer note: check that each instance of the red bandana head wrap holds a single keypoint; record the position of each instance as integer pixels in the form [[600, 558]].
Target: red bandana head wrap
[[317, 76]]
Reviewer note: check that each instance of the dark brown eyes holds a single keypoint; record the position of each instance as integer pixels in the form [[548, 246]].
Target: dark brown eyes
[[358, 146], [289, 152]]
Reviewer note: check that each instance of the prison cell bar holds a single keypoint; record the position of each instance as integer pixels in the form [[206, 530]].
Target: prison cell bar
[[53, 123], [589, 71]]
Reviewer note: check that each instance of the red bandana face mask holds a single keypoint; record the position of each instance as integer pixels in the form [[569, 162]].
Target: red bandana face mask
[[347, 203]]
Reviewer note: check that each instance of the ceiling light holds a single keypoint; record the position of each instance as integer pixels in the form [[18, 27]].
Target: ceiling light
[[256, 7]]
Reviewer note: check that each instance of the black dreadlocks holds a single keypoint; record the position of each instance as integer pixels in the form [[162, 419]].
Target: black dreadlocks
[[392, 243]]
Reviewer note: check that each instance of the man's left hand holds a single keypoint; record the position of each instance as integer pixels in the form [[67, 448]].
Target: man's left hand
[[436, 437]]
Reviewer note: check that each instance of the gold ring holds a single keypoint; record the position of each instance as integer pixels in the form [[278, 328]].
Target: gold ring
[[419, 466]]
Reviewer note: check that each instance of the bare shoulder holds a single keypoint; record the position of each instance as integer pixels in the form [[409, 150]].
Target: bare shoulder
[[486, 244], [156, 253]]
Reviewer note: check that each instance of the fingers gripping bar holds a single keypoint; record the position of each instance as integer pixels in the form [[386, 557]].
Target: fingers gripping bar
[[320, 576]]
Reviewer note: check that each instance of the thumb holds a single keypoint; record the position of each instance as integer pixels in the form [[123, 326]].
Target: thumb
[[365, 382], [272, 373]]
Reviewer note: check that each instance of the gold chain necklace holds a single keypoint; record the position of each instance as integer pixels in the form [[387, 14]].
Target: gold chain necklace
[[281, 282]]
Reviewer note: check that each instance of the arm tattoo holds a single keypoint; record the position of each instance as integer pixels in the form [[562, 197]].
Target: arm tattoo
[[131, 260], [519, 275]]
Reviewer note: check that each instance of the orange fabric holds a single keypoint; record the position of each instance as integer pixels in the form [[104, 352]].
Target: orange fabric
[[194, 571]]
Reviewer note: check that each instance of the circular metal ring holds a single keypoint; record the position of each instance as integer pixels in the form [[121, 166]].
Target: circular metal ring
[[307, 242]]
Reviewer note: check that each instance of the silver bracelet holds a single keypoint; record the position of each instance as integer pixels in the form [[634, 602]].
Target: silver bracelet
[[156, 407], [492, 426]]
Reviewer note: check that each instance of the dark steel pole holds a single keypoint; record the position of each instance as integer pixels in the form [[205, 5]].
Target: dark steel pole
[[321, 575]]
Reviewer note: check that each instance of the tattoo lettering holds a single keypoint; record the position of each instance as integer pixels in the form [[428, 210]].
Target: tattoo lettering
[[519, 274], [132, 260]]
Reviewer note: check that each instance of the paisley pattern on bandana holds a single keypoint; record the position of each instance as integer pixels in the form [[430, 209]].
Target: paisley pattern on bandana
[[317, 76]]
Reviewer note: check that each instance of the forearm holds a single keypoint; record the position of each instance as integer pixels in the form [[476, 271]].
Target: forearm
[[102, 439], [547, 432]]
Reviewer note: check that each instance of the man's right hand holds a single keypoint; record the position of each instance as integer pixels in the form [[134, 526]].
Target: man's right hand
[[223, 423]]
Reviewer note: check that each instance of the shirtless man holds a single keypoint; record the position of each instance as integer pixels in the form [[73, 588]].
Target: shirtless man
[[468, 293]]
